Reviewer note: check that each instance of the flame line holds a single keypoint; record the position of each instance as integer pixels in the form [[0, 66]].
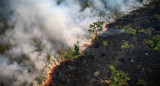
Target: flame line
[[51, 71]]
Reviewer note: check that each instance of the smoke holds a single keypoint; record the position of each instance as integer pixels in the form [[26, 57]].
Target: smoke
[[39, 30]]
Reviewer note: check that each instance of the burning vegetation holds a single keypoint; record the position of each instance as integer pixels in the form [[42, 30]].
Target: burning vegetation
[[46, 46], [134, 55]]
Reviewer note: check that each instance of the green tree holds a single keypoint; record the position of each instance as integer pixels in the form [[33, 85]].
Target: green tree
[[137, 30], [96, 27], [76, 49], [155, 40], [69, 55], [127, 46], [118, 78], [105, 43], [154, 43], [72, 54], [129, 30]]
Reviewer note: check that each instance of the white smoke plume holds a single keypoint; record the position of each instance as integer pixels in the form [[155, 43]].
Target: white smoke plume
[[40, 29]]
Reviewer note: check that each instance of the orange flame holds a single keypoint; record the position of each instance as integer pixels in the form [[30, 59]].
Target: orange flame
[[51, 71]]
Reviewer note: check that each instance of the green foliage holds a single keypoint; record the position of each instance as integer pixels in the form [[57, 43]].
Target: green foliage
[[150, 43], [137, 30], [154, 43], [147, 32], [129, 30], [96, 27], [155, 40], [118, 27], [118, 78], [105, 43], [142, 31], [71, 54], [141, 82], [76, 48], [157, 48], [126, 46]]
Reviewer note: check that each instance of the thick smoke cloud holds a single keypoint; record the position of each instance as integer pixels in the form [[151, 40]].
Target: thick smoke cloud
[[41, 29]]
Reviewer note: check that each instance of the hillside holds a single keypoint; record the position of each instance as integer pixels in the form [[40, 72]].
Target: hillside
[[136, 52]]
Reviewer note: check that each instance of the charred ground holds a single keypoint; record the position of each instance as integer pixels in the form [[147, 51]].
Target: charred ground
[[140, 63]]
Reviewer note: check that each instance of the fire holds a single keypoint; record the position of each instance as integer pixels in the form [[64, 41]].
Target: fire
[[49, 77], [51, 71]]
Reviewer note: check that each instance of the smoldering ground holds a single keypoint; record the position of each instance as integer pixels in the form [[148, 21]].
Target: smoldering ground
[[38, 30]]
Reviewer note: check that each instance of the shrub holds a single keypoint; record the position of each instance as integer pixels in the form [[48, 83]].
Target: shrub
[[155, 40], [141, 82], [71, 54], [157, 48], [147, 32], [129, 30], [118, 27], [154, 43], [105, 43], [118, 78], [150, 43], [127, 27], [126, 46], [142, 31]]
